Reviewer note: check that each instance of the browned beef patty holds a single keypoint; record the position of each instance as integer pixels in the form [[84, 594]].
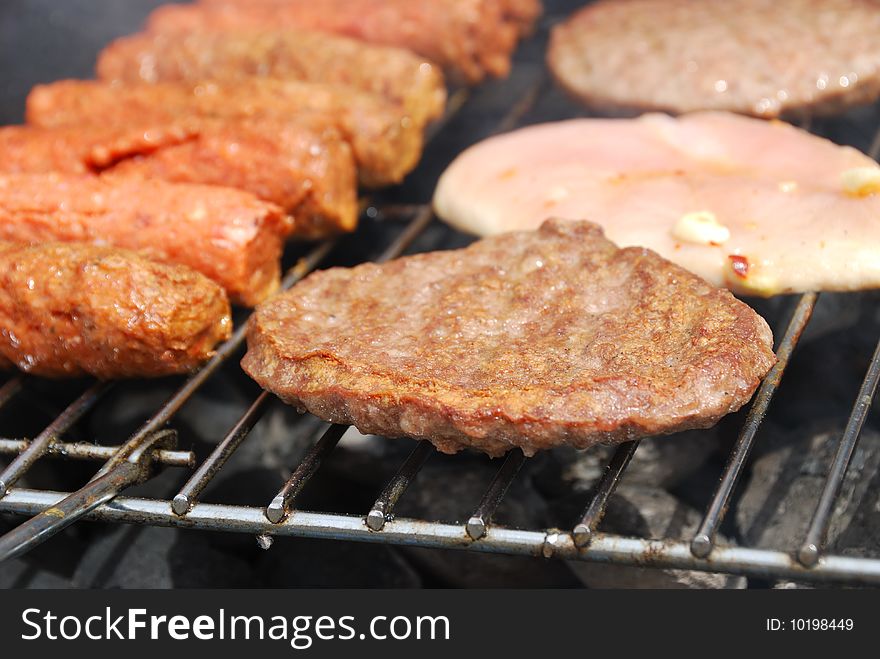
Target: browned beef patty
[[532, 339], [759, 57]]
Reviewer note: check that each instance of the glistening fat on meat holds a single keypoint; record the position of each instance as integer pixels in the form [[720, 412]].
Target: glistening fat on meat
[[385, 141], [68, 310], [395, 74], [532, 339], [303, 166], [470, 39], [227, 235], [522, 13]]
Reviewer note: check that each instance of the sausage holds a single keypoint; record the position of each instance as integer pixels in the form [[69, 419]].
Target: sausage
[[470, 39], [228, 235], [303, 164], [385, 141], [69, 309], [396, 74]]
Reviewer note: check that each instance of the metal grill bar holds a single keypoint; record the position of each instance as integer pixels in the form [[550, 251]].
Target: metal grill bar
[[42, 442], [704, 540], [412, 231], [584, 530], [186, 497], [478, 524], [279, 508], [455, 101], [129, 467], [10, 388], [227, 349], [874, 150], [118, 470], [590, 545], [522, 106], [604, 548], [384, 506], [85, 451], [818, 531]]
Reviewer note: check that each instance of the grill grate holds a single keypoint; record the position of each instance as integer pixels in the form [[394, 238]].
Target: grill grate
[[152, 445]]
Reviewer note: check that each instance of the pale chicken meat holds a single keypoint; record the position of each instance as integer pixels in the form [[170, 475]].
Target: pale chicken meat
[[762, 208]]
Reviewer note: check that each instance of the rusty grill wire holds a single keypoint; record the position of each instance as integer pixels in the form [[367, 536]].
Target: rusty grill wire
[[153, 446]]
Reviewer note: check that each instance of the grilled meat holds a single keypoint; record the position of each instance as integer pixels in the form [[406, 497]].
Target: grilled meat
[[83, 149], [69, 310], [470, 39], [227, 235], [386, 143], [393, 73], [532, 339], [302, 165], [522, 13], [760, 207], [759, 57]]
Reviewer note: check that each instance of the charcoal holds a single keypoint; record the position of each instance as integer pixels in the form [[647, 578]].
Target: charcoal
[[783, 489], [153, 557], [652, 513], [24, 573], [449, 490], [208, 415], [447, 568], [306, 563], [834, 355], [833, 312], [663, 462], [278, 441], [367, 459], [129, 557]]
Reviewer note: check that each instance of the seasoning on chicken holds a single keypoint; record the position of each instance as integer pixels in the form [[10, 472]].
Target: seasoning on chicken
[[761, 207]]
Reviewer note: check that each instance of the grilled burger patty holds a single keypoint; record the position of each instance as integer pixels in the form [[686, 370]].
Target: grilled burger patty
[[532, 339], [228, 235], [760, 57], [393, 73], [385, 141], [301, 164], [70, 309]]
